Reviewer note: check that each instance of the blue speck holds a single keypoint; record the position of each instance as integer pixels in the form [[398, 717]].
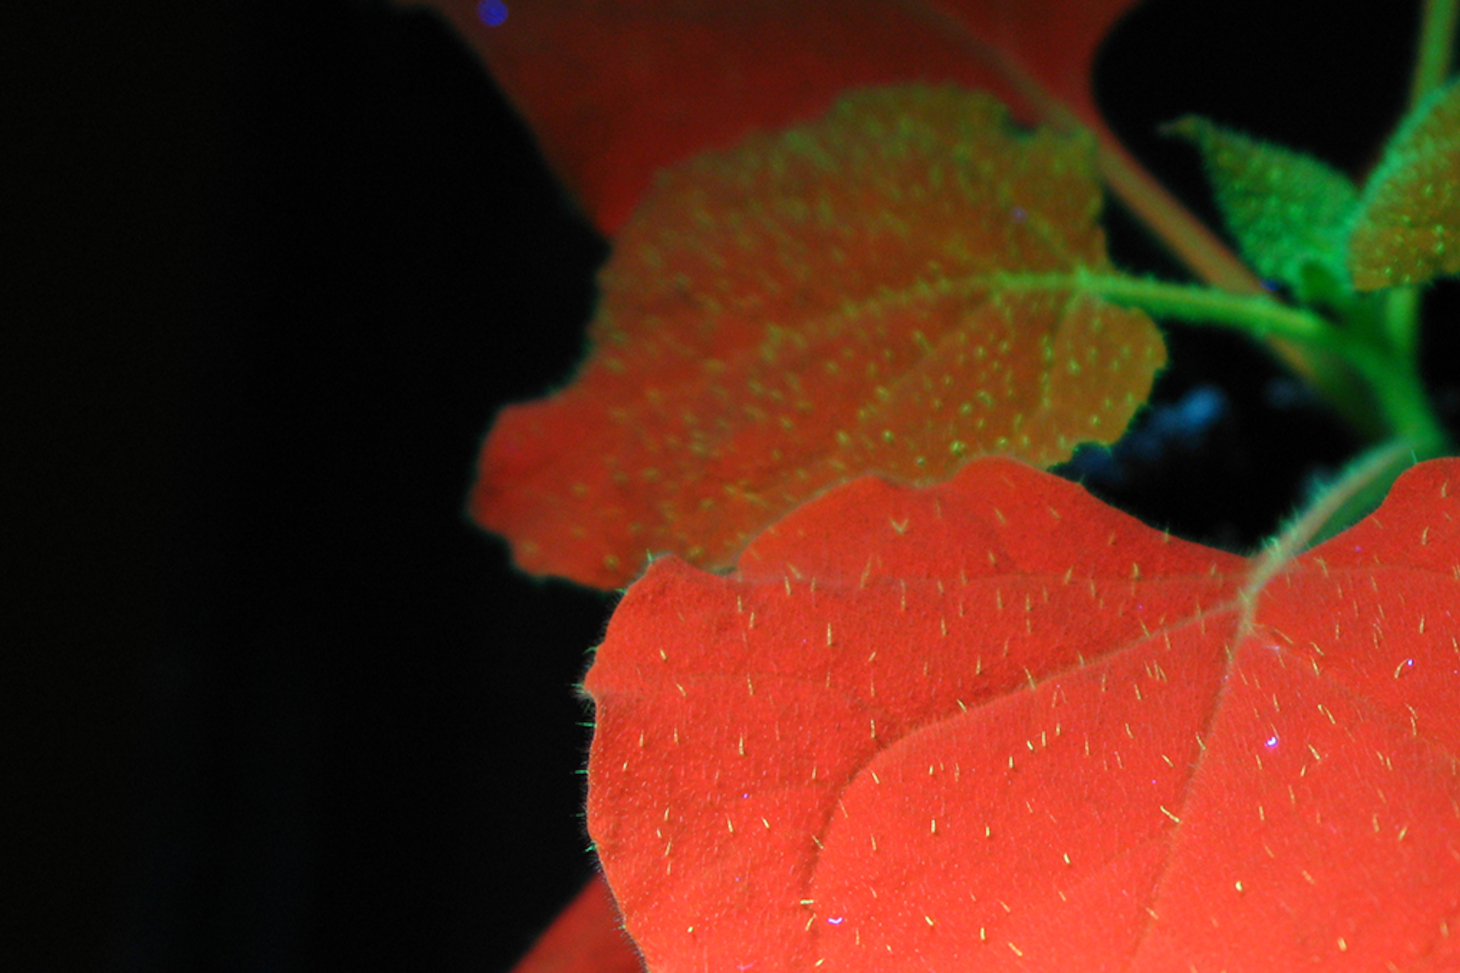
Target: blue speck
[[836, 920], [1185, 423], [492, 12], [1271, 741], [1202, 407], [1181, 426], [1094, 462]]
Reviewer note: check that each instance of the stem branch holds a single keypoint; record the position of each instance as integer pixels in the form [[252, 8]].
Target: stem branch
[[1436, 48], [1365, 479], [1261, 316]]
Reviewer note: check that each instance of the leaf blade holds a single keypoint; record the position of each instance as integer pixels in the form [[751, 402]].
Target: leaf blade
[[810, 307], [584, 938], [617, 90], [1288, 211], [1405, 229], [1216, 801]]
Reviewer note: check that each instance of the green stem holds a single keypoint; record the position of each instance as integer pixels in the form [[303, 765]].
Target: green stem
[[1397, 385], [1436, 48], [1401, 321], [1390, 372], [1357, 491], [1258, 316]]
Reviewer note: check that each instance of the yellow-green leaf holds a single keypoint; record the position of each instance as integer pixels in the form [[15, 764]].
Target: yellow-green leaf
[[810, 307], [1407, 229]]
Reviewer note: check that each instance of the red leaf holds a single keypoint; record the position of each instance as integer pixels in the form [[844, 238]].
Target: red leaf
[[994, 724], [811, 307], [616, 89], [584, 938]]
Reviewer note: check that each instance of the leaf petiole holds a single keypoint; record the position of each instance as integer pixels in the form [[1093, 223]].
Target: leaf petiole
[[1257, 315], [1356, 492], [1432, 60]]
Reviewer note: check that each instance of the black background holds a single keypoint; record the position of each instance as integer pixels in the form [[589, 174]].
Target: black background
[[277, 705]]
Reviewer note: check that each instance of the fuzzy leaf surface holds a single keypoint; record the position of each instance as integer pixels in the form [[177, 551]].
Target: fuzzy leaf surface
[[584, 938], [996, 725], [1288, 211], [616, 89], [1407, 228], [810, 307]]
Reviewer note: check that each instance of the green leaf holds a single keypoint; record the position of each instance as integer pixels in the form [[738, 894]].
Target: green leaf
[[1403, 231], [1287, 211]]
